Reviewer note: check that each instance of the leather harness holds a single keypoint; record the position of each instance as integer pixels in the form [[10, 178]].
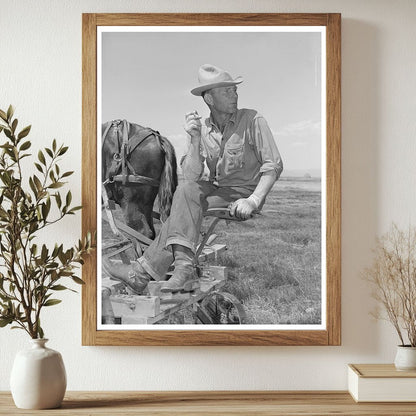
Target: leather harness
[[121, 169]]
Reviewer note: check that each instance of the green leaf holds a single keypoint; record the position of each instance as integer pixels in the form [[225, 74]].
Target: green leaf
[[3, 115], [34, 226], [67, 174], [25, 145], [42, 194], [54, 276], [33, 187], [59, 287], [49, 152], [39, 167], [78, 280], [55, 251], [34, 249], [24, 132], [14, 125], [44, 253], [37, 182], [40, 332], [68, 199], [41, 157], [8, 133], [62, 257], [58, 199], [10, 112], [51, 302], [45, 211], [77, 208], [56, 185], [54, 145], [5, 321], [58, 250], [63, 150]]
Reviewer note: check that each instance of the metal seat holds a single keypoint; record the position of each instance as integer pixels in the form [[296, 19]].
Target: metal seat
[[218, 214]]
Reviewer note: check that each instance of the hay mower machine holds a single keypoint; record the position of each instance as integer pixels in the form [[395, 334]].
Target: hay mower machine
[[210, 304]]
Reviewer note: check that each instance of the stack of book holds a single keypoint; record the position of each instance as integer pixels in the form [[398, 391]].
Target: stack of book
[[381, 383]]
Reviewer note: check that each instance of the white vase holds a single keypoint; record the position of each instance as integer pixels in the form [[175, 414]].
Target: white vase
[[405, 358], [38, 377]]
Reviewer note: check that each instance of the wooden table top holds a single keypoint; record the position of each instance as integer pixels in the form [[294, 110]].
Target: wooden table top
[[318, 403]]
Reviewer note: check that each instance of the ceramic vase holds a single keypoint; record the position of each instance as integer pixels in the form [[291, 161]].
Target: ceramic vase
[[405, 358], [38, 377]]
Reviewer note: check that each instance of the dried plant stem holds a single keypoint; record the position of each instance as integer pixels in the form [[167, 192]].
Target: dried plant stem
[[393, 276]]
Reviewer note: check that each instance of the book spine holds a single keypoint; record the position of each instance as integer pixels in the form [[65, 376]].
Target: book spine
[[353, 381]]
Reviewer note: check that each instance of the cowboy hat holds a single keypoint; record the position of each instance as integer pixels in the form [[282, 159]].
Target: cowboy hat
[[210, 76]]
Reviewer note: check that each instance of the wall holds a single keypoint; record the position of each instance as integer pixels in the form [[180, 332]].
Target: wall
[[40, 73]]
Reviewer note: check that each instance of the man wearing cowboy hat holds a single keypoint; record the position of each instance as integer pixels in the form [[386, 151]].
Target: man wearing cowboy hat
[[238, 150]]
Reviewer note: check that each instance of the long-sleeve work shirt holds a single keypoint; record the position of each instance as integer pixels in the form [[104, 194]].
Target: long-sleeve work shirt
[[238, 156]]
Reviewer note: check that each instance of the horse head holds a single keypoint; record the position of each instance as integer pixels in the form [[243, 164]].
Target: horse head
[[137, 165]]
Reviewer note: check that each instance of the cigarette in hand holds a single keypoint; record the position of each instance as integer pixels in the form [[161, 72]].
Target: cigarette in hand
[[196, 115]]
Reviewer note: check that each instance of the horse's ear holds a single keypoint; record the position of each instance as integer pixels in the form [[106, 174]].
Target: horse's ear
[[104, 128]]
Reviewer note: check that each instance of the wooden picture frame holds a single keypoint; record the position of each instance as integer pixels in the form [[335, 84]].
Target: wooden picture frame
[[331, 334]]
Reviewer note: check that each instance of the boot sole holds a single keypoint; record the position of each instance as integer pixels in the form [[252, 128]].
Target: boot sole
[[136, 290]]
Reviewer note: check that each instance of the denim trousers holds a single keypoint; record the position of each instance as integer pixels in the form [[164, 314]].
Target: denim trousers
[[190, 201]]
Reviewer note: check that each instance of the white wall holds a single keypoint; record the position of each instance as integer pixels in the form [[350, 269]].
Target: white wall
[[40, 73]]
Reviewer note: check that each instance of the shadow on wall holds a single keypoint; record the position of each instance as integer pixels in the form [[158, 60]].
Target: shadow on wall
[[360, 183]]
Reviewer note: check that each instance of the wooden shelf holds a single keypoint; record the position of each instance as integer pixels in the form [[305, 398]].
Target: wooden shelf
[[318, 403]]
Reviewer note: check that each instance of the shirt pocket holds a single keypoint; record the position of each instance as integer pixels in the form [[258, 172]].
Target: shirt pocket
[[233, 156]]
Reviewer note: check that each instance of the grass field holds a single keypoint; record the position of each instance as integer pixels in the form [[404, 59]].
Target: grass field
[[274, 260]]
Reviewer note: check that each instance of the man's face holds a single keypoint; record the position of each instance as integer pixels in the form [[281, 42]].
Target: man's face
[[224, 99]]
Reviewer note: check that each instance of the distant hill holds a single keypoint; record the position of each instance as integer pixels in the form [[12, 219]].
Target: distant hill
[[302, 173], [308, 175]]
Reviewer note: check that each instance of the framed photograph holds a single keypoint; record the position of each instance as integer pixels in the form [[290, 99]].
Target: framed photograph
[[211, 172]]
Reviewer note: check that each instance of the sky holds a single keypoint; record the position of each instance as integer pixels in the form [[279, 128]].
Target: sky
[[147, 78]]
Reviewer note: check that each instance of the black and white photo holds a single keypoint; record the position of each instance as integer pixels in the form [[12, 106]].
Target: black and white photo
[[241, 112]]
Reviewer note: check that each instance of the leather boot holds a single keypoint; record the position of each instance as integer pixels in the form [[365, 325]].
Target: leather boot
[[133, 275], [183, 278]]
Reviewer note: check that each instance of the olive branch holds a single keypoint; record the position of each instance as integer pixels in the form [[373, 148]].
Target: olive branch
[[31, 274]]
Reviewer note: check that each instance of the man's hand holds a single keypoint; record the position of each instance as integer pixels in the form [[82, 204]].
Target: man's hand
[[243, 208], [193, 125]]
